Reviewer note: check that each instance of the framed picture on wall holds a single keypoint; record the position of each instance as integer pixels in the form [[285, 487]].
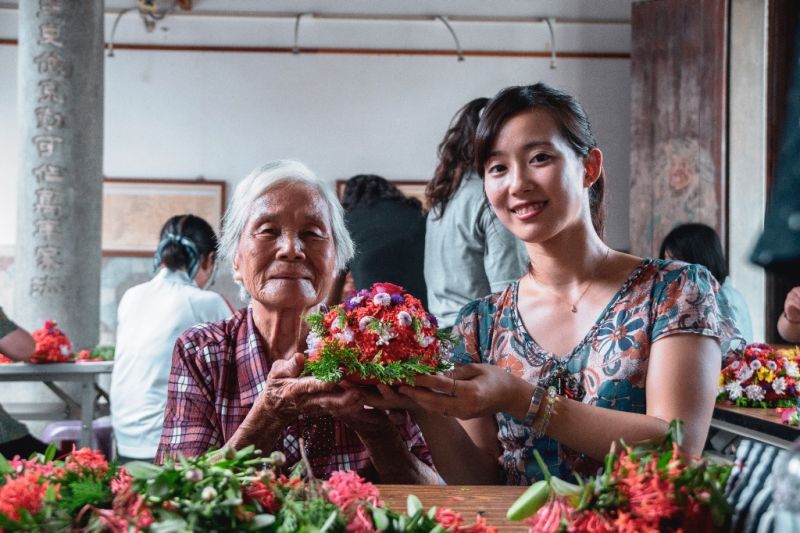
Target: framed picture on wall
[[134, 210], [411, 188]]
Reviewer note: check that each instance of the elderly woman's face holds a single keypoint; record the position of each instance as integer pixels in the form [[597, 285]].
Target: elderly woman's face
[[286, 256]]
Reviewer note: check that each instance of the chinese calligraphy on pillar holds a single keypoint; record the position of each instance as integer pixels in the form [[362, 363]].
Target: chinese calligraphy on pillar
[[50, 172]]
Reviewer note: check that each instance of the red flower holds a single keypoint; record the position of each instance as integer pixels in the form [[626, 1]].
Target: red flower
[[261, 493], [348, 488], [52, 346], [448, 519], [87, 459], [390, 288], [23, 492]]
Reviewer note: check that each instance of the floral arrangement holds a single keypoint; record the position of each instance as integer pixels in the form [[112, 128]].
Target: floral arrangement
[[762, 376], [219, 491], [41, 494], [53, 346], [380, 335], [648, 487], [789, 415]]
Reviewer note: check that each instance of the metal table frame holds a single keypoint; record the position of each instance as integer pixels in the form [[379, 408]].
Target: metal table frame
[[83, 373]]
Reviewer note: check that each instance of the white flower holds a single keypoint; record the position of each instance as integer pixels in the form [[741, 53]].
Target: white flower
[[734, 389], [403, 318], [64, 349], [208, 494], [754, 392], [791, 369], [382, 298], [779, 385], [346, 335], [755, 364], [312, 341], [364, 322], [772, 365], [735, 364], [425, 322], [385, 336], [744, 373], [425, 341], [355, 300]]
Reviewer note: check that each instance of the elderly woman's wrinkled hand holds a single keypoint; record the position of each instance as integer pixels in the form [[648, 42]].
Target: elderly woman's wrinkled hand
[[466, 392], [288, 394]]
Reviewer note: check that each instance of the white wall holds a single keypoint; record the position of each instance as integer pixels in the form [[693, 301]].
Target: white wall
[[187, 114]]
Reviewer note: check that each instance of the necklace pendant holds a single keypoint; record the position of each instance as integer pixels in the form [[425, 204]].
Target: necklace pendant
[[574, 309]]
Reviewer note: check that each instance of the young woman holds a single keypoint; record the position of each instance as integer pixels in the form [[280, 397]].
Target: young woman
[[591, 345]]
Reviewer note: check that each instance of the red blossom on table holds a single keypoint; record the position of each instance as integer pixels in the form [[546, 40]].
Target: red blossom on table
[[52, 345]]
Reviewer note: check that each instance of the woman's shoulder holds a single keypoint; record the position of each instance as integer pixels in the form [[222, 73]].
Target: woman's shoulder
[[490, 304], [221, 332]]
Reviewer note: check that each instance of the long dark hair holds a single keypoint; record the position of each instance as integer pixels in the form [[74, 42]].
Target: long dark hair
[[456, 156], [185, 241], [364, 190], [699, 244], [569, 115]]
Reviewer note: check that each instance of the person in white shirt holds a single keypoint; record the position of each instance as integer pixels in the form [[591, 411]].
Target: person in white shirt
[[150, 319], [699, 244]]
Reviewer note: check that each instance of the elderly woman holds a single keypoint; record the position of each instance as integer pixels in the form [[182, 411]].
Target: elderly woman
[[238, 382]]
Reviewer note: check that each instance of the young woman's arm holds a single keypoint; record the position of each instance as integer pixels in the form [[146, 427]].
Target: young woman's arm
[[681, 383]]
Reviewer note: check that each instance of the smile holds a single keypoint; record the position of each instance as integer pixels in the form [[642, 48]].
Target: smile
[[528, 210]]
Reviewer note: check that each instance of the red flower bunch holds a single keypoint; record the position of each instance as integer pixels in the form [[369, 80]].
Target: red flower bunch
[[762, 376], [646, 488], [52, 346], [4, 359], [378, 335]]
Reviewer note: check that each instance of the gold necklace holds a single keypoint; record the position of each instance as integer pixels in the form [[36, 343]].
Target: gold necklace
[[574, 305]]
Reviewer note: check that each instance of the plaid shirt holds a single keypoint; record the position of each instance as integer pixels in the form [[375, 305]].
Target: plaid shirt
[[218, 371]]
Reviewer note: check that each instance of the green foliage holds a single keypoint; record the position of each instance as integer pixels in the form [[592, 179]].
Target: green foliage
[[106, 353], [335, 361]]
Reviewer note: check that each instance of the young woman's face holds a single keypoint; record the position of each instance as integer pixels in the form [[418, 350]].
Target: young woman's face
[[535, 181]]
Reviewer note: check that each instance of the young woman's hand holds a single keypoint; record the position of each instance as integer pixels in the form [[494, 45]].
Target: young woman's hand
[[471, 391]]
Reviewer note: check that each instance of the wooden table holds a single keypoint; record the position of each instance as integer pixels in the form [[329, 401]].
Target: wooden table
[[763, 425], [492, 501], [84, 374]]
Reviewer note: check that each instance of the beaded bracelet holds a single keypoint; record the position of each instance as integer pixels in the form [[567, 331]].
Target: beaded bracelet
[[540, 428], [536, 402]]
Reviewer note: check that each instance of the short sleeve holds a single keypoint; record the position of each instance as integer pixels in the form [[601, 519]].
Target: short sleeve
[[191, 425], [504, 256], [6, 324], [472, 331], [687, 300]]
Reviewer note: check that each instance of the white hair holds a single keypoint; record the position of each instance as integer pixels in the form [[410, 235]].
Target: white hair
[[265, 178]]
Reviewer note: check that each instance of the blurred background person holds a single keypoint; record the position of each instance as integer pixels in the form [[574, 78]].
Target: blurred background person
[[388, 230], [150, 319], [468, 252], [18, 345], [699, 244], [789, 321]]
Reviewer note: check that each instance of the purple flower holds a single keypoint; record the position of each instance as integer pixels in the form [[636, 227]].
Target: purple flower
[[397, 298]]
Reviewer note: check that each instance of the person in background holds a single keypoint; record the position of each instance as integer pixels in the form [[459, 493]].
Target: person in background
[[700, 244], [468, 252], [789, 321], [150, 319], [388, 231], [18, 345]]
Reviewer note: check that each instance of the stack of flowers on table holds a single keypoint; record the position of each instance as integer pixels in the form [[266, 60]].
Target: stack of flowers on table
[[53, 346], [219, 491], [378, 335], [762, 376], [644, 488]]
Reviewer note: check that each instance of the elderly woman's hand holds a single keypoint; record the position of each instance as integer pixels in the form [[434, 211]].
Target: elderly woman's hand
[[288, 394], [471, 391]]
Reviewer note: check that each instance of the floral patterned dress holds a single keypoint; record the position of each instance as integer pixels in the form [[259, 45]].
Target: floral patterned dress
[[658, 299]]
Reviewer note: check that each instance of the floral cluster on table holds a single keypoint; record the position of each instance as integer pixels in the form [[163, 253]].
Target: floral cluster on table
[[643, 488], [377, 335], [766, 377], [219, 491], [53, 346]]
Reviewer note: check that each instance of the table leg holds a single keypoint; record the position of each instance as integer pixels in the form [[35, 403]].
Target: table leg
[[87, 412]]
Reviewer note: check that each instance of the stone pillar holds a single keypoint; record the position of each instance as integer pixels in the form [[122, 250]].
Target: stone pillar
[[60, 81]]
